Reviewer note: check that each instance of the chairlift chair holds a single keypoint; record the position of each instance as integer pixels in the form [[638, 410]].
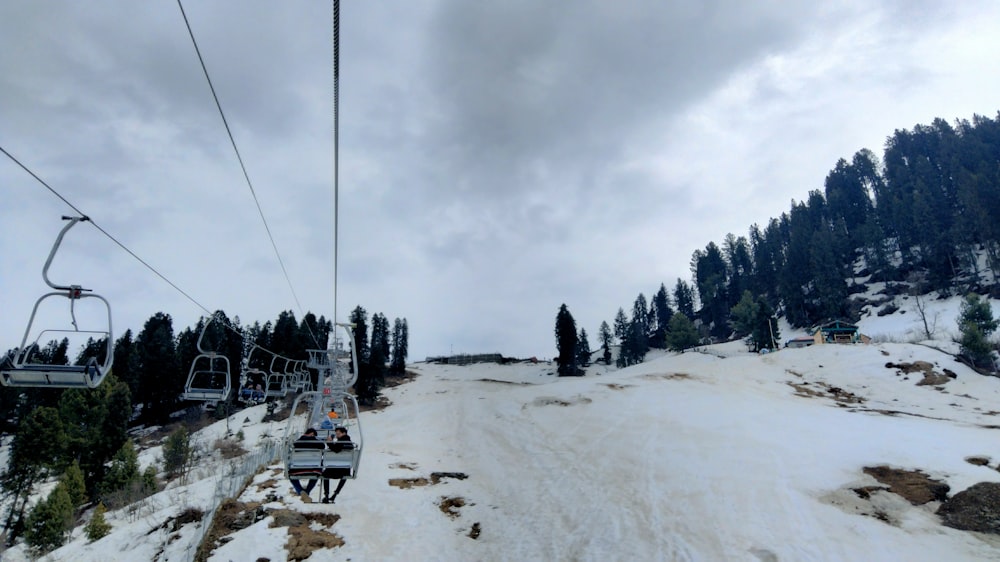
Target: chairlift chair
[[308, 463], [249, 380], [276, 385], [209, 378], [16, 369]]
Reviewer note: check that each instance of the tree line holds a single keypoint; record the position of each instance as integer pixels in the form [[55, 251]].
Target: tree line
[[920, 216]]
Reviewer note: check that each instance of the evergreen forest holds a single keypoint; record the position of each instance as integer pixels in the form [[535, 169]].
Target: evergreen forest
[[921, 219]]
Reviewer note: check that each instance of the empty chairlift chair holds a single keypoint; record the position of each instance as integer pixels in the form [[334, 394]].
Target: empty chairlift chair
[[17, 369], [209, 379]]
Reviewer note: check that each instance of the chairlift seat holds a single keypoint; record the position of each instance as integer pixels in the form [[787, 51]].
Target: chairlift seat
[[306, 459], [60, 376], [341, 464]]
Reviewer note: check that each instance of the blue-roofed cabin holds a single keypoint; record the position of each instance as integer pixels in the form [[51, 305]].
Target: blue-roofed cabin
[[839, 331]]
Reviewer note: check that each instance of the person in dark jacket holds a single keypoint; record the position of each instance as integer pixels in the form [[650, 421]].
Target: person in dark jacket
[[343, 441], [308, 440]]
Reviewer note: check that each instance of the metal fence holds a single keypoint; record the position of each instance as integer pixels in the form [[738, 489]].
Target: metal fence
[[234, 478]]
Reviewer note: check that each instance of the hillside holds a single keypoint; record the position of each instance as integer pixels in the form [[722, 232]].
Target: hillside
[[710, 455]]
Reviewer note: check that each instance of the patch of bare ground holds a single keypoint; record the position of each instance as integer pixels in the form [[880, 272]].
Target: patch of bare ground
[[380, 404], [174, 524], [978, 461], [269, 483], [229, 449], [303, 540], [475, 531], [404, 465], [521, 383], [823, 390], [614, 386], [450, 506], [435, 478], [913, 485], [930, 376], [407, 483], [231, 516], [668, 376], [552, 401]]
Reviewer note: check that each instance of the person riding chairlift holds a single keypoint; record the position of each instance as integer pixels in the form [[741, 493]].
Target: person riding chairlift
[[331, 420]]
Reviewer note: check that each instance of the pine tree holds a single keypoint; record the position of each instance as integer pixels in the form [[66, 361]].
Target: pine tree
[[399, 347], [764, 333], [176, 454], [661, 312], [366, 385], [684, 299], [75, 486], [639, 331], [566, 342], [378, 355], [162, 377], [583, 349], [975, 324], [606, 338], [742, 315], [97, 527], [50, 521], [682, 333], [36, 450], [124, 469], [621, 326], [150, 484]]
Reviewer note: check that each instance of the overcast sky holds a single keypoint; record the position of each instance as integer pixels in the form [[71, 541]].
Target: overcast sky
[[496, 159]]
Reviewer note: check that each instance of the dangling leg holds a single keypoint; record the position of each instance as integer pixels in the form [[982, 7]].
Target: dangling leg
[[340, 486]]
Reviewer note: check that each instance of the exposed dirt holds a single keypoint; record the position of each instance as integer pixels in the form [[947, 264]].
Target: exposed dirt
[[551, 401], [506, 382], [435, 478], [614, 386], [407, 483], [823, 390], [303, 540], [174, 524], [231, 516], [669, 376], [930, 376], [913, 485], [449, 506]]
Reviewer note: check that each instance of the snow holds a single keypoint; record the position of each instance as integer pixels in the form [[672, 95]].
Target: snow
[[709, 455]]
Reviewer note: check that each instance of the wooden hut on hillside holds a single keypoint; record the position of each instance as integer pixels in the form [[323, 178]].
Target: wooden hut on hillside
[[839, 331]]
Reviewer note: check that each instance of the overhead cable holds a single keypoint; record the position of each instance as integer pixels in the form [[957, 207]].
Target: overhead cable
[[243, 167]]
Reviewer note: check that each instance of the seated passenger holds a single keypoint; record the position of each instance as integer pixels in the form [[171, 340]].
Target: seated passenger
[[329, 422], [342, 442], [308, 440]]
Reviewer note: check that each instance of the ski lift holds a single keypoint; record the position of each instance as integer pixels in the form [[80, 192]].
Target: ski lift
[[309, 463], [17, 370], [250, 379], [208, 379], [277, 385]]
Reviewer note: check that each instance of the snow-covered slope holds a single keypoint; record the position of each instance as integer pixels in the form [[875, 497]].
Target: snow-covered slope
[[715, 455]]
